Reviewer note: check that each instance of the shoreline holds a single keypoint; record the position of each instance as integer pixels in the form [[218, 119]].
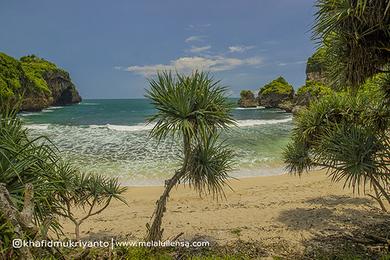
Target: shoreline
[[235, 175], [267, 209]]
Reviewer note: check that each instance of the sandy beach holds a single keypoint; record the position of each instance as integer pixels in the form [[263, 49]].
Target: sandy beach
[[269, 209]]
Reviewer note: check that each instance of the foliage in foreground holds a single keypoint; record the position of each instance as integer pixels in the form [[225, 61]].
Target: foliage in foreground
[[35, 180], [314, 89], [347, 135], [356, 37], [194, 109]]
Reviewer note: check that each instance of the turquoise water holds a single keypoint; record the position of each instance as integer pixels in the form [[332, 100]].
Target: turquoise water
[[111, 137]]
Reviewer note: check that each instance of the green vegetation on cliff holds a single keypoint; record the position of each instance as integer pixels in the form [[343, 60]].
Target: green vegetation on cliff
[[35, 68], [38, 82], [277, 86], [247, 94], [16, 76], [315, 89], [11, 75], [316, 63]]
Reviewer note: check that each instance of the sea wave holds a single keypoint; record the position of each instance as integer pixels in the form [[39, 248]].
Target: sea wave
[[88, 104], [147, 127], [249, 108], [125, 128], [28, 113], [37, 126], [55, 107], [254, 122]]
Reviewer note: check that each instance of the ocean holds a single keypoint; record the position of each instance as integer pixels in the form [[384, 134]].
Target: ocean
[[110, 137]]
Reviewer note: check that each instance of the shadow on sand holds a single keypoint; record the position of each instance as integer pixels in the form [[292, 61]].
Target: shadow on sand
[[339, 229]]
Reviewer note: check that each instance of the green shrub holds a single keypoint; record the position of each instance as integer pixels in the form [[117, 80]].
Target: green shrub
[[247, 94], [35, 68], [16, 77], [316, 89], [277, 86], [56, 183], [11, 74], [316, 62]]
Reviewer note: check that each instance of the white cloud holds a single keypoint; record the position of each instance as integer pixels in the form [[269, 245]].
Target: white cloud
[[240, 48], [291, 63], [198, 26], [188, 64], [200, 49], [194, 38]]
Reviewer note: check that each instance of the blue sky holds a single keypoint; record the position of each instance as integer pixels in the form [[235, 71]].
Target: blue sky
[[110, 47]]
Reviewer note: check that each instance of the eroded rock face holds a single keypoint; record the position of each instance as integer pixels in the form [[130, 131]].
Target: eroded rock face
[[63, 92], [247, 102], [274, 100], [247, 99]]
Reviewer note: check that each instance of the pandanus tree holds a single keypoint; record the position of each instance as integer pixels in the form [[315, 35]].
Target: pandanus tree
[[348, 133], [356, 37], [193, 109]]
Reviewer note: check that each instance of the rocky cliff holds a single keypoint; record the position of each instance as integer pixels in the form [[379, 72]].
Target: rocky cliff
[[276, 93], [316, 67], [40, 82], [247, 99]]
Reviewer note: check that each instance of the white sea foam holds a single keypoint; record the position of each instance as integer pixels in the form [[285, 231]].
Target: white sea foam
[[28, 113], [57, 107], [38, 126], [125, 128], [88, 104], [254, 122], [249, 108], [145, 127]]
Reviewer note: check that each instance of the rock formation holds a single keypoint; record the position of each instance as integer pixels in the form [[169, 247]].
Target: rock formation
[[40, 83], [247, 99], [275, 94], [316, 67]]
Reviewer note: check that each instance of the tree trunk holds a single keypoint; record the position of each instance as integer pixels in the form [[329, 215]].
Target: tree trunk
[[13, 216], [77, 230], [378, 198], [155, 231], [382, 190]]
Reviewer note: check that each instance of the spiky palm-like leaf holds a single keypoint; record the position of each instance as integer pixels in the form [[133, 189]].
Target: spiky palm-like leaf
[[188, 104], [22, 161], [208, 167], [356, 34], [345, 135], [56, 182]]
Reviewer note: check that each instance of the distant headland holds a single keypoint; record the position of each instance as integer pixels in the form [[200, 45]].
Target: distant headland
[[40, 82]]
